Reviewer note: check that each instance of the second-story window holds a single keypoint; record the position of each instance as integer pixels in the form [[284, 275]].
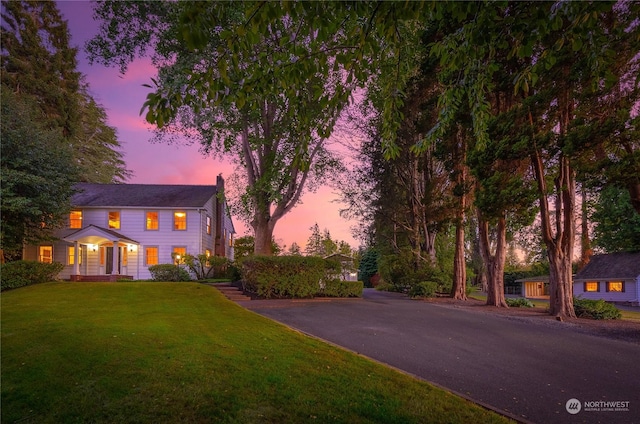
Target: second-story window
[[152, 221], [75, 219], [208, 225], [179, 220], [114, 220]]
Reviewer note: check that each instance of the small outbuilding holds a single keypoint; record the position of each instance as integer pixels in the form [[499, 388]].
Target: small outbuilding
[[534, 287], [614, 277]]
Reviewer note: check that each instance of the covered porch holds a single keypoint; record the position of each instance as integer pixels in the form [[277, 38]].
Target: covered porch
[[100, 254]]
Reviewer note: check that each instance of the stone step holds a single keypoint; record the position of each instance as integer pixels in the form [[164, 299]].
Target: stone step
[[232, 292]]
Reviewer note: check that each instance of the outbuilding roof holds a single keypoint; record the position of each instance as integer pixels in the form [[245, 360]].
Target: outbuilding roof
[[142, 195], [621, 265]]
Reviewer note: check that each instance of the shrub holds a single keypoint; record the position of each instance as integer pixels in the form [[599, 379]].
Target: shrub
[[295, 277], [595, 309], [423, 289], [520, 302], [340, 288], [169, 272], [23, 273], [283, 276], [203, 266]]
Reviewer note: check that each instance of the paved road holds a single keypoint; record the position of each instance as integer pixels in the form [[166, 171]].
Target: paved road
[[522, 368]]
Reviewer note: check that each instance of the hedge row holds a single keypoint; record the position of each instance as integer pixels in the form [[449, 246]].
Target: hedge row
[[295, 277], [23, 273]]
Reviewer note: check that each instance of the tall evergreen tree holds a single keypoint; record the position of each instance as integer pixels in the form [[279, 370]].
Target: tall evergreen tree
[[38, 62]]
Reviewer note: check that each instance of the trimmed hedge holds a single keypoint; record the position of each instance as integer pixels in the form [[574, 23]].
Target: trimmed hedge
[[169, 272], [23, 273], [423, 289], [294, 277]]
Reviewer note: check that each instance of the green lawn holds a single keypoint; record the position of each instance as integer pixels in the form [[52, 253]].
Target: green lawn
[[181, 352]]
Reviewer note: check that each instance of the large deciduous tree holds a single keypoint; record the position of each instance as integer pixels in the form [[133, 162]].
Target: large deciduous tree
[[223, 94]]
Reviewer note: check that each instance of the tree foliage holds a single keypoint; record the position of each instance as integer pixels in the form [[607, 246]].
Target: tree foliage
[[617, 226], [38, 62], [37, 175]]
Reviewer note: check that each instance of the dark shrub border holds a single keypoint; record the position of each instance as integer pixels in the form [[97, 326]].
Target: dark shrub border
[[24, 273], [169, 272], [295, 277]]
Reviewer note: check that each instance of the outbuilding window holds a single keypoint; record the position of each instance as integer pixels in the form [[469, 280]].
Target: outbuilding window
[[592, 286], [615, 286]]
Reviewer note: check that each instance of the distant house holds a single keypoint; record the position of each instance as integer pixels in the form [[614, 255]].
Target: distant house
[[348, 270], [120, 230], [534, 287], [614, 277]]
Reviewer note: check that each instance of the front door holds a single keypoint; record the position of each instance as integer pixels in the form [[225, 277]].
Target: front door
[[109, 260]]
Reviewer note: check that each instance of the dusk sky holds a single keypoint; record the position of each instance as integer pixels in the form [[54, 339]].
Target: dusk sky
[[122, 97]]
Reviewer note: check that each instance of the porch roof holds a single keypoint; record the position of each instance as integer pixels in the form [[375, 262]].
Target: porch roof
[[93, 234]]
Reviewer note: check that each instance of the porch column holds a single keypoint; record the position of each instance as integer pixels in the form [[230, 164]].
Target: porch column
[[116, 256], [76, 257]]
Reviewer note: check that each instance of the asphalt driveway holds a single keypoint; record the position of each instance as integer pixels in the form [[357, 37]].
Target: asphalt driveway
[[525, 369]]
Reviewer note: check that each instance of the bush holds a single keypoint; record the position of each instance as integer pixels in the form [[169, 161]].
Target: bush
[[340, 288], [169, 272], [295, 277], [520, 302], [423, 289], [595, 309], [204, 267], [23, 273]]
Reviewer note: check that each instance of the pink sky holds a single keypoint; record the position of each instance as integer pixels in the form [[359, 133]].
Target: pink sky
[[122, 97]]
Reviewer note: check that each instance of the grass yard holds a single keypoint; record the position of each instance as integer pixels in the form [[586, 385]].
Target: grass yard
[[181, 352]]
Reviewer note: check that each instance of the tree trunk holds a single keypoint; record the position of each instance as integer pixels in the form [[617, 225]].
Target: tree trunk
[[263, 231], [585, 241], [494, 264], [560, 245], [458, 288]]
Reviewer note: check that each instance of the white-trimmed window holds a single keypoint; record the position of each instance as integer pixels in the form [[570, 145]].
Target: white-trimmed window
[[151, 255], [178, 253], [180, 220], [45, 254], [71, 256], [114, 220], [208, 225], [75, 219], [151, 220]]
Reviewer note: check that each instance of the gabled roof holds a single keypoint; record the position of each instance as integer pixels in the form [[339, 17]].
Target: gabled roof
[[94, 234], [621, 265], [142, 195]]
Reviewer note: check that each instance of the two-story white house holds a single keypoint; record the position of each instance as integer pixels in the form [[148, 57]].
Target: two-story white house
[[119, 230]]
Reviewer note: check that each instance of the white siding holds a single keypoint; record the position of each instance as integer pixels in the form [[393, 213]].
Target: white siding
[[630, 293]]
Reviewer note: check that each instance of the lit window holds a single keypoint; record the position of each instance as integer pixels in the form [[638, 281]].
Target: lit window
[[152, 221], [151, 255], [45, 254], [592, 286], [114, 220], [179, 220], [209, 225], [75, 219], [125, 256], [178, 254], [615, 286], [72, 255], [230, 239], [207, 252]]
